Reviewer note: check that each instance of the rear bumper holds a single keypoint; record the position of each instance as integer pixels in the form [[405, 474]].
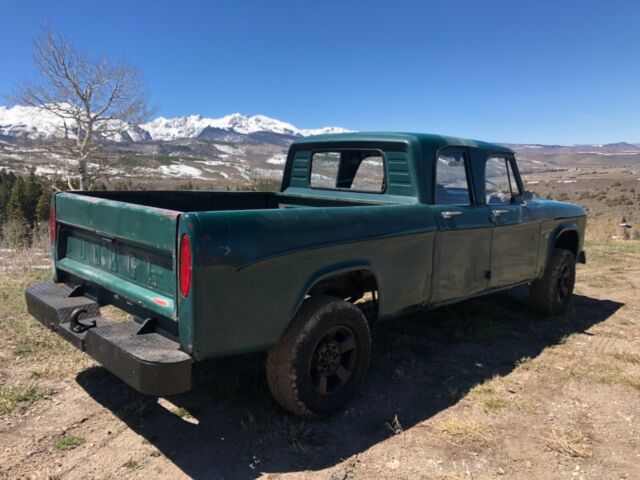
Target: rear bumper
[[148, 362]]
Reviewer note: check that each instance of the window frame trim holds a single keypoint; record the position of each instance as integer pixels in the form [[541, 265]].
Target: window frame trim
[[468, 173], [511, 160]]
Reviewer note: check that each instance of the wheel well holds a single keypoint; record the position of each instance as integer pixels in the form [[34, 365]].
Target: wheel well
[[568, 241], [349, 285]]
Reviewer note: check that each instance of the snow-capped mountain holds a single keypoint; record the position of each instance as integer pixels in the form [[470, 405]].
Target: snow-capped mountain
[[38, 124], [192, 126], [30, 122], [323, 131]]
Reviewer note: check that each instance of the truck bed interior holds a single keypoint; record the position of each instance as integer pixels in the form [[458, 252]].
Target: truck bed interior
[[203, 200]]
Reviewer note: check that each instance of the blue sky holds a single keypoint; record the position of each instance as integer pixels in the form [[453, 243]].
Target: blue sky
[[511, 71]]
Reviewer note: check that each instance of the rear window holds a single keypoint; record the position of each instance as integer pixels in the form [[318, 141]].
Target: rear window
[[350, 169]]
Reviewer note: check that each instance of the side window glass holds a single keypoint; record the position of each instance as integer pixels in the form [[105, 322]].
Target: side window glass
[[370, 174], [325, 169], [500, 183], [452, 186]]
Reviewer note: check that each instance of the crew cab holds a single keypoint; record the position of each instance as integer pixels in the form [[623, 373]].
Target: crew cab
[[408, 221]]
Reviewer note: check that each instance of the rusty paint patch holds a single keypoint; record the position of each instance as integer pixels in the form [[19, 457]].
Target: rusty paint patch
[[172, 214], [160, 301], [163, 212], [91, 199]]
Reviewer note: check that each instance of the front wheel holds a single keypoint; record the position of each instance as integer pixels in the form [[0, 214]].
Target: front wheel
[[551, 295], [321, 358]]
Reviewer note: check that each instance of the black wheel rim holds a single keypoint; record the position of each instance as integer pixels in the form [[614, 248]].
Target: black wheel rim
[[564, 283], [334, 360]]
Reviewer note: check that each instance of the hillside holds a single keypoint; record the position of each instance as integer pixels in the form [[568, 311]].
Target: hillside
[[236, 148]]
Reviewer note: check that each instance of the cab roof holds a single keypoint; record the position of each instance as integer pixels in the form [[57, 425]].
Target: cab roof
[[428, 140]]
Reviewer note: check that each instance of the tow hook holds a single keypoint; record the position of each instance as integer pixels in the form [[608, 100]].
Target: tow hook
[[75, 324]]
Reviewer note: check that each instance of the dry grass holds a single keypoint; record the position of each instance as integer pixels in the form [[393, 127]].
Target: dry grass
[[394, 426], [482, 389], [538, 364], [494, 403], [465, 474], [51, 358], [36, 256], [572, 442], [132, 465], [485, 395], [68, 442], [600, 281], [607, 244], [20, 396], [526, 406], [603, 373], [609, 334], [26, 337], [464, 431], [626, 357]]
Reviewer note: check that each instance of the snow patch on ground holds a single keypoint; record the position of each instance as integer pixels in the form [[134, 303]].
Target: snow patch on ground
[[278, 159], [179, 170], [218, 172], [48, 170], [229, 149], [10, 156], [609, 154], [242, 171], [266, 173], [212, 163]]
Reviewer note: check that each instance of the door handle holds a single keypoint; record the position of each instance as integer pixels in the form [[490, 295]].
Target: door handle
[[497, 213], [451, 213]]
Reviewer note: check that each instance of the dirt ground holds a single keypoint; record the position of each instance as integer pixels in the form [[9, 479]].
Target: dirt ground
[[485, 389]]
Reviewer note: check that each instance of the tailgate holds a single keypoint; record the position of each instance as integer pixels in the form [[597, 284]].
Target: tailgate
[[127, 249]]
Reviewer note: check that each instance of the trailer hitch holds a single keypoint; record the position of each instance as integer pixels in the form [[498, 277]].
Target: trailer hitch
[[75, 324]]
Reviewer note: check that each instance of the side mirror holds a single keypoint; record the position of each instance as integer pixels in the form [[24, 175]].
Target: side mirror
[[527, 196]]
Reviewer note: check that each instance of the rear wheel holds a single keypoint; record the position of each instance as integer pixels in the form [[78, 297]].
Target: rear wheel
[[551, 295], [321, 358]]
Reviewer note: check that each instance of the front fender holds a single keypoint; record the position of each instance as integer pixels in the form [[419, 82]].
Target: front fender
[[553, 235]]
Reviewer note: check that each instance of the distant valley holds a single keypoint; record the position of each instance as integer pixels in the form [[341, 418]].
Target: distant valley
[[238, 149]]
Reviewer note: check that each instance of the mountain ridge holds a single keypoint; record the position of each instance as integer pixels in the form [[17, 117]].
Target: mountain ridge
[[35, 123]]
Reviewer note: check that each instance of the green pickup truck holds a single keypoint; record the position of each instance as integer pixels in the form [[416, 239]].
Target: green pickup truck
[[404, 221]]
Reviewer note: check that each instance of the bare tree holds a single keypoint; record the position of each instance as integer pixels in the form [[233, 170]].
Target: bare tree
[[90, 102]]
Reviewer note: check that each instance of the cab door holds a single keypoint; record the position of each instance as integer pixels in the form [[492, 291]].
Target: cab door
[[463, 240], [516, 234]]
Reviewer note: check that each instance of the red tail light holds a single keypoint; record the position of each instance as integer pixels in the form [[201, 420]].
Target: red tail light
[[52, 225], [185, 265]]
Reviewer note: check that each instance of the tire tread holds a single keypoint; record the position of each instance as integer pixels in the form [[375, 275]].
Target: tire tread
[[283, 358]]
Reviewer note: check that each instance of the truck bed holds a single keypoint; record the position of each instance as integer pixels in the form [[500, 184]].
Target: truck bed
[[121, 246], [212, 201]]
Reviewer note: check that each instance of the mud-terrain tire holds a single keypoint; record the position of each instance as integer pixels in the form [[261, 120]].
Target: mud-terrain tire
[[551, 294], [321, 358]]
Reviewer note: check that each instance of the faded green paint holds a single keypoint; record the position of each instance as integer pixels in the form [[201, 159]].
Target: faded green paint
[[152, 228], [158, 303], [256, 255]]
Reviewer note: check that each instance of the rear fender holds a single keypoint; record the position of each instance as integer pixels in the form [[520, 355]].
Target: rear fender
[[331, 271]]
